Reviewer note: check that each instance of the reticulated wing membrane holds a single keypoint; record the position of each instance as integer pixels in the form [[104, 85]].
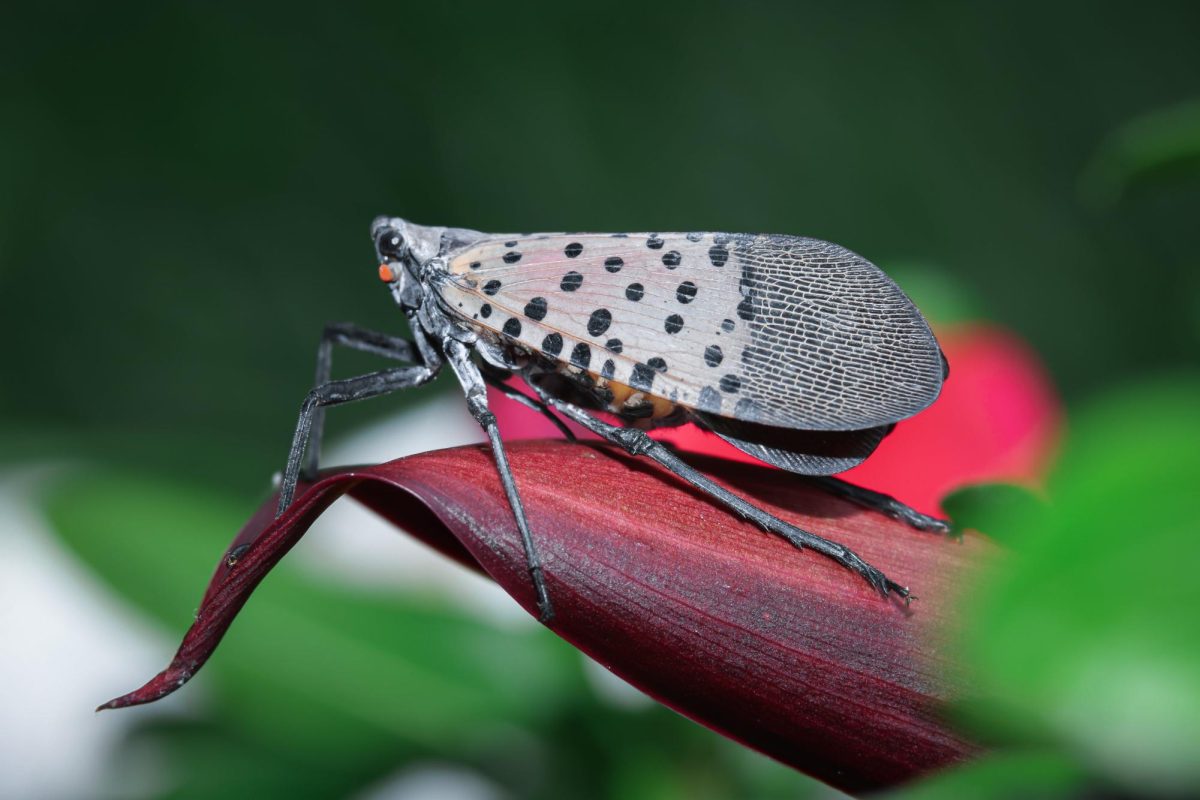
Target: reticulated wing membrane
[[804, 452], [778, 330]]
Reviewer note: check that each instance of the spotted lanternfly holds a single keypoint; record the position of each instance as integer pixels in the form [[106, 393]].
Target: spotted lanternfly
[[796, 351]]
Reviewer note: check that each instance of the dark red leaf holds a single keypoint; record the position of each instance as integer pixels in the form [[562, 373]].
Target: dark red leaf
[[779, 649]]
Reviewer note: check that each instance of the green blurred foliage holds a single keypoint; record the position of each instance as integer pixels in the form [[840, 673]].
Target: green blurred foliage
[[1001, 511], [186, 192], [1158, 145], [1085, 637], [1030, 775]]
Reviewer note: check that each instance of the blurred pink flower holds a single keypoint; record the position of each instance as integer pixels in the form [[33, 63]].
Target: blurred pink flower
[[998, 419]]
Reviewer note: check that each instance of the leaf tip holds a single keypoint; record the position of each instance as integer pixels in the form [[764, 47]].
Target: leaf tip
[[158, 687]]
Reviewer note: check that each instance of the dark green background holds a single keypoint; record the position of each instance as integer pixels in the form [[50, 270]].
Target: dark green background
[[185, 190], [187, 186]]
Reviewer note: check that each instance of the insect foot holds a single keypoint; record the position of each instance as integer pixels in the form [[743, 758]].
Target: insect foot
[[545, 609], [881, 583]]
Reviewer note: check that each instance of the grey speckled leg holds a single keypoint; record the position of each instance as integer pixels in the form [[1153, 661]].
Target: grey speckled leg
[[637, 443], [333, 393], [347, 334], [459, 359], [883, 503]]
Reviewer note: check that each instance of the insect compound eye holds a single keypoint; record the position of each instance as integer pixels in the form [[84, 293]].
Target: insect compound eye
[[390, 245]]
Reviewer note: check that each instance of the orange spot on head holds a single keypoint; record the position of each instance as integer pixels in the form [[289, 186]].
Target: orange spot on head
[[386, 273]]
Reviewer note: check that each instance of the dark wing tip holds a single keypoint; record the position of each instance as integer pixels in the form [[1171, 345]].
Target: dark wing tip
[[855, 351]]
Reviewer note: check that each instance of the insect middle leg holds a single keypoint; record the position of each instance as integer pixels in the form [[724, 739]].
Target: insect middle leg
[[518, 396], [473, 384], [637, 443]]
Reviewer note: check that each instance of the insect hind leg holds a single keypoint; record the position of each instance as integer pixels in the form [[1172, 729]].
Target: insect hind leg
[[458, 356], [883, 503], [637, 443]]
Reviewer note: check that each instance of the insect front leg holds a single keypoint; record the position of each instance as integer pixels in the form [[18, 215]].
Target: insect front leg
[[637, 443], [332, 393], [883, 503], [347, 334], [459, 358]]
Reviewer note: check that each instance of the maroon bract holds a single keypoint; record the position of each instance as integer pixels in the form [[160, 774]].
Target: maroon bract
[[780, 649]]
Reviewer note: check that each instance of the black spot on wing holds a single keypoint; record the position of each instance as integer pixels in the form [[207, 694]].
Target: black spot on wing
[[642, 378], [718, 254], [635, 292], [614, 345], [571, 281], [686, 292], [573, 250], [581, 356], [748, 409], [536, 308], [731, 383], [713, 355], [512, 257], [614, 263], [671, 259], [491, 287], [655, 242], [485, 310], [709, 400], [608, 370], [657, 364], [673, 324], [599, 321], [752, 353], [552, 345], [512, 327]]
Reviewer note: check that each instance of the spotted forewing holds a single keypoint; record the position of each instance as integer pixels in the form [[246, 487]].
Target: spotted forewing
[[777, 330]]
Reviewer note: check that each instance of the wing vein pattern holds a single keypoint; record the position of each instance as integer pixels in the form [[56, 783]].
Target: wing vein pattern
[[777, 330]]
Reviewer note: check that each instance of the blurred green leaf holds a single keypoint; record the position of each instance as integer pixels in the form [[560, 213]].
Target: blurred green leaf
[[307, 659], [1002, 511], [1000, 777], [1089, 630], [207, 758], [1162, 143], [941, 294]]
